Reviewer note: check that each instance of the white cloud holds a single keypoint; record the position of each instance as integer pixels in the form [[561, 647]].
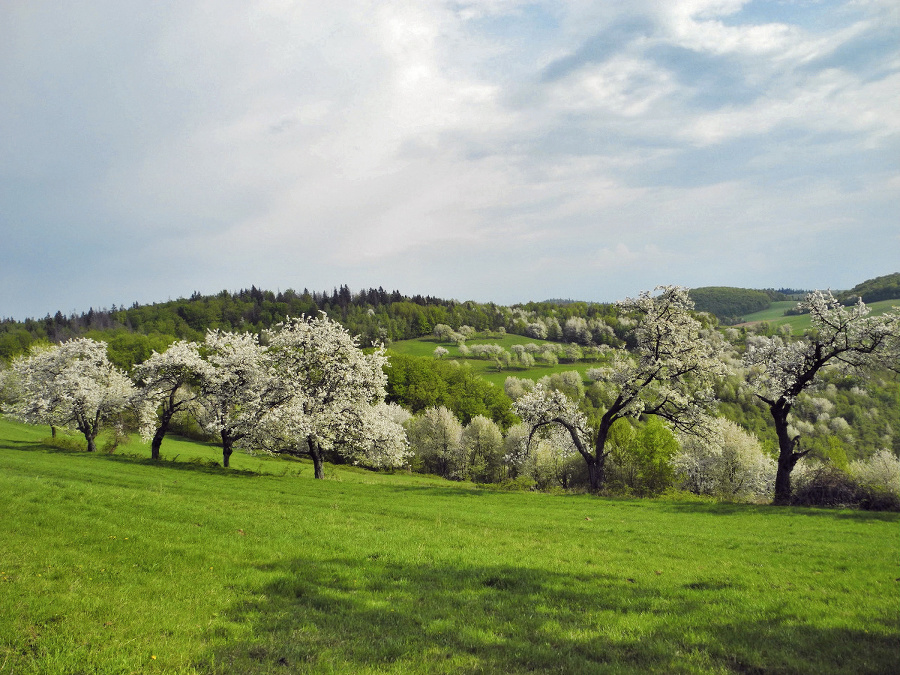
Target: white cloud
[[311, 144]]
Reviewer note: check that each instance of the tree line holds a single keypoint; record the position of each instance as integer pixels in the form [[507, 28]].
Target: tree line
[[375, 315], [306, 387]]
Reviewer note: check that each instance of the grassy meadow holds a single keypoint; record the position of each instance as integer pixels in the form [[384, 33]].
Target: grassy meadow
[[775, 314], [111, 563], [485, 368]]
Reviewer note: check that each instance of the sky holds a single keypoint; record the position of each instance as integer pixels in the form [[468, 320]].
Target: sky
[[497, 150]]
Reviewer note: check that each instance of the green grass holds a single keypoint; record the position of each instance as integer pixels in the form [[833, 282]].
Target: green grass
[[775, 314], [116, 564], [488, 369]]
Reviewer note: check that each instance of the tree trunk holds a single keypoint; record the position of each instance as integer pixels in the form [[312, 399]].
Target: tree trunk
[[161, 432], [227, 448], [91, 444], [787, 458], [52, 431], [596, 472], [597, 462], [318, 464]]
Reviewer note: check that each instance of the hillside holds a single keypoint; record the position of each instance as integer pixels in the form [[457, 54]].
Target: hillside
[[744, 305], [730, 304], [873, 290], [780, 314], [374, 314], [183, 568]]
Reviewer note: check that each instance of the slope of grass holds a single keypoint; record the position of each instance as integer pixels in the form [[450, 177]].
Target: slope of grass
[[488, 368], [775, 314], [114, 564]]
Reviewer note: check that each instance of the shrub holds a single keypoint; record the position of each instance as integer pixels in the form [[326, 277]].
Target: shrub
[[729, 465], [825, 485], [871, 485]]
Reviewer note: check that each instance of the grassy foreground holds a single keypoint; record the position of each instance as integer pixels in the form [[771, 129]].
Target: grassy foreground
[[112, 564]]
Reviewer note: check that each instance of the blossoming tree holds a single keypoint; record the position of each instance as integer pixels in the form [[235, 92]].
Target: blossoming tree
[[168, 383], [237, 387], [329, 393], [669, 373], [780, 369], [72, 384], [436, 438]]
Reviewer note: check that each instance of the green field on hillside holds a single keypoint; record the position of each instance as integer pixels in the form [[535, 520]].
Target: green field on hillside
[[775, 314], [487, 368], [111, 563]]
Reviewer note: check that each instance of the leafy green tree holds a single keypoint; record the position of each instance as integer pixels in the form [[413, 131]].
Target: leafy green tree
[[482, 450], [420, 383]]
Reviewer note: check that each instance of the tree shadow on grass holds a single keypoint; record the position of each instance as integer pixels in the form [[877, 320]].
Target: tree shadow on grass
[[72, 446], [374, 615], [737, 509]]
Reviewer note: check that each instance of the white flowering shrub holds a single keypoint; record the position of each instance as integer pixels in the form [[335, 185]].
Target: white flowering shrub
[[880, 472], [443, 332], [536, 330], [729, 463], [379, 439], [435, 437], [568, 382], [554, 461], [481, 444], [517, 387]]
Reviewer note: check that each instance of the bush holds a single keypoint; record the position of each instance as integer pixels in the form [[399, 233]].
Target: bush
[[825, 486], [729, 465], [879, 481], [870, 488]]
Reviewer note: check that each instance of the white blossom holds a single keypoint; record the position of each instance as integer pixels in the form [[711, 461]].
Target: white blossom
[[880, 472], [328, 389], [168, 383], [435, 436], [72, 385], [728, 463], [236, 388], [781, 369], [670, 374]]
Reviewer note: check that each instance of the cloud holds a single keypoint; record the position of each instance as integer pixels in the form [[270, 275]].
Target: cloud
[[446, 146]]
